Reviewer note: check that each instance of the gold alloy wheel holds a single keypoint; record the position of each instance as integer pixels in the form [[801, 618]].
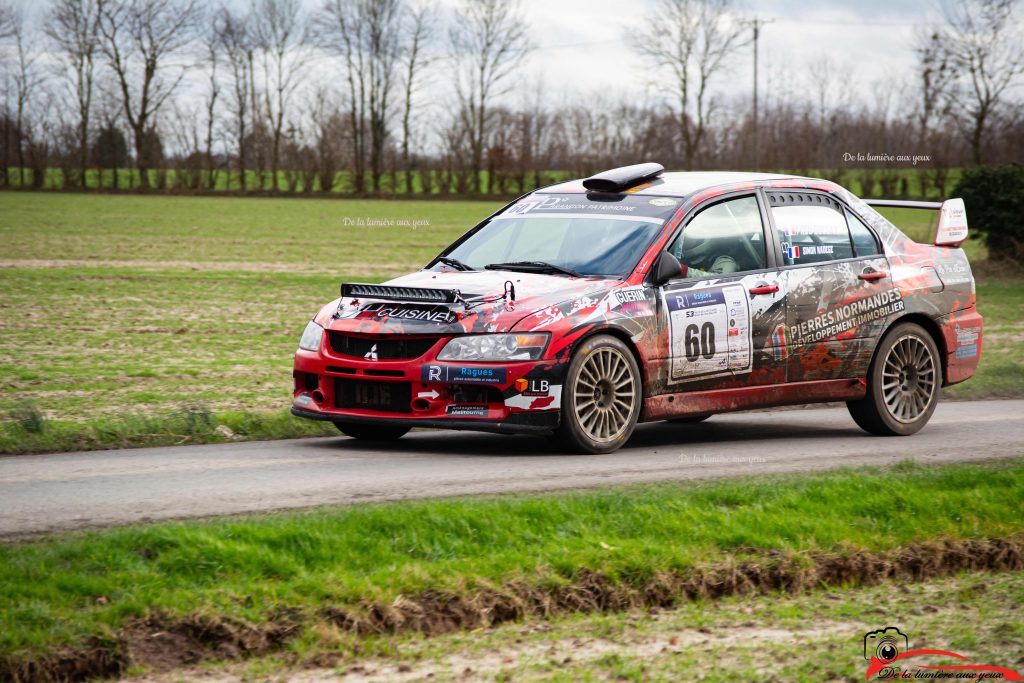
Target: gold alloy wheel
[[908, 379], [604, 395]]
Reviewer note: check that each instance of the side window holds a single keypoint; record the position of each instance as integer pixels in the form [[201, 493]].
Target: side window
[[812, 229], [727, 237], [864, 242]]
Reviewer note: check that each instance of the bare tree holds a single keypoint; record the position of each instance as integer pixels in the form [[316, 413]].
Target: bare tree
[[691, 41], [212, 47], [415, 58], [985, 43], [365, 34], [26, 78], [142, 41], [936, 75], [330, 131], [280, 37], [74, 29], [7, 20], [489, 42], [235, 44]]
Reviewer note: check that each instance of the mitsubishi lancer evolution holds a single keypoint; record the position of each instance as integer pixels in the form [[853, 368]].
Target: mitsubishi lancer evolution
[[636, 295]]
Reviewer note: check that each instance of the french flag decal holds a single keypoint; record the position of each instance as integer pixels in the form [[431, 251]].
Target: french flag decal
[[794, 253], [779, 346]]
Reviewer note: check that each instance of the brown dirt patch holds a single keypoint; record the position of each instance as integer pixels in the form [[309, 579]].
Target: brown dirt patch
[[162, 642]]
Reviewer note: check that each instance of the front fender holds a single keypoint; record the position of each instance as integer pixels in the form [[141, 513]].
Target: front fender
[[628, 311]]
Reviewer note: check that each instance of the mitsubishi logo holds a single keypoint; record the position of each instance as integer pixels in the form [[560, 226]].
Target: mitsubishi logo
[[372, 353]]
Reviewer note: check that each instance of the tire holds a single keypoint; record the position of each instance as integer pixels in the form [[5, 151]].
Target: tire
[[601, 397], [903, 383], [692, 419], [371, 432]]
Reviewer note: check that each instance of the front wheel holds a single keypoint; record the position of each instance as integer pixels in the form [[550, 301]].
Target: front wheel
[[903, 384], [601, 397], [370, 432]]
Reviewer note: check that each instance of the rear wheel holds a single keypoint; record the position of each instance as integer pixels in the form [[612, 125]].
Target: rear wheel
[[903, 384], [369, 432], [601, 398]]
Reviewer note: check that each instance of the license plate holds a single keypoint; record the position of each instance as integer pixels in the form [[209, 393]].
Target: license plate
[[373, 395], [377, 395]]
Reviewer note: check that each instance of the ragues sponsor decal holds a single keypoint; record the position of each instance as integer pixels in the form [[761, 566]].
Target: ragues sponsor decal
[[463, 374], [846, 317]]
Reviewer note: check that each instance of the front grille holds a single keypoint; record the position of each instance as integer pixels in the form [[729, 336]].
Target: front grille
[[393, 397], [385, 348]]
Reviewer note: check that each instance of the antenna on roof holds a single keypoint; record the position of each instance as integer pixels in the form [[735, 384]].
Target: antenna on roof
[[625, 177]]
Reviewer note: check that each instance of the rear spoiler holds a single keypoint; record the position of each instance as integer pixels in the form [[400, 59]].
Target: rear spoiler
[[951, 226]]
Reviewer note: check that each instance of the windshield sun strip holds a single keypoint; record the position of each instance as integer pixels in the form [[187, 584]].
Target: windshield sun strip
[[601, 216]]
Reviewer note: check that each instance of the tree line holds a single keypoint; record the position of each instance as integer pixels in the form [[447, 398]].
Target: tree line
[[393, 96]]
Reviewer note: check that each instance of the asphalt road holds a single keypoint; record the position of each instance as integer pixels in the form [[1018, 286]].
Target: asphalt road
[[44, 493]]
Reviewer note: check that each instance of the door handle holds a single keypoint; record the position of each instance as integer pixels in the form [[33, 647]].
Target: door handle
[[872, 275], [763, 289]]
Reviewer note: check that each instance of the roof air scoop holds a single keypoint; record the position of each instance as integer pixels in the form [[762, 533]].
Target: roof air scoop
[[625, 177]]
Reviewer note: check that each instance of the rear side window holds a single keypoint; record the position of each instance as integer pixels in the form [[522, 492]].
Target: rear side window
[[812, 234], [864, 242]]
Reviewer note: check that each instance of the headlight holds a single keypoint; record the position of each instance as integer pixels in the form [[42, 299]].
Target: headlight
[[311, 337], [496, 347]]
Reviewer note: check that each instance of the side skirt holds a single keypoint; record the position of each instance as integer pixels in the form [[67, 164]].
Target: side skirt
[[668, 406]]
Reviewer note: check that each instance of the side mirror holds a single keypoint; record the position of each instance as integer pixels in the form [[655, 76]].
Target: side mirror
[[951, 228], [666, 268]]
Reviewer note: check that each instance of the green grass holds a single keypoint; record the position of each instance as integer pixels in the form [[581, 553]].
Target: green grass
[[805, 639], [61, 591], [121, 312], [118, 313], [253, 234]]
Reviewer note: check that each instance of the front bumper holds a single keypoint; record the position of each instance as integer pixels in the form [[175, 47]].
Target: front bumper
[[518, 423], [514, 397]]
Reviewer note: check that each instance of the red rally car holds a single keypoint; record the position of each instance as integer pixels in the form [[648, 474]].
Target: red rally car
[[636, 295]]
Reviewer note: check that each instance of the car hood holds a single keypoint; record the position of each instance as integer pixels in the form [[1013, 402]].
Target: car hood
[[533, 292]]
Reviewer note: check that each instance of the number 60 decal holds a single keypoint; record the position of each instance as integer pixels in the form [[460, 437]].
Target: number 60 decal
[[699, 341]]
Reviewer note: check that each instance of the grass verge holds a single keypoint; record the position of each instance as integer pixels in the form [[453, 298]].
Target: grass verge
[[95, 602], [807, 638], [28, 431]]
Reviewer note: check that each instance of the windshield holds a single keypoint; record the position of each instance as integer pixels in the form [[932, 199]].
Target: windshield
[[594, 235]]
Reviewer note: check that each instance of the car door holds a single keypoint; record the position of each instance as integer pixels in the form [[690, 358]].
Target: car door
[[721, 320], [840, 292]]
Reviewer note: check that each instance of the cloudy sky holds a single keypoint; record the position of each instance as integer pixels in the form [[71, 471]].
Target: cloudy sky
[[580, 43], [581, 47]]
